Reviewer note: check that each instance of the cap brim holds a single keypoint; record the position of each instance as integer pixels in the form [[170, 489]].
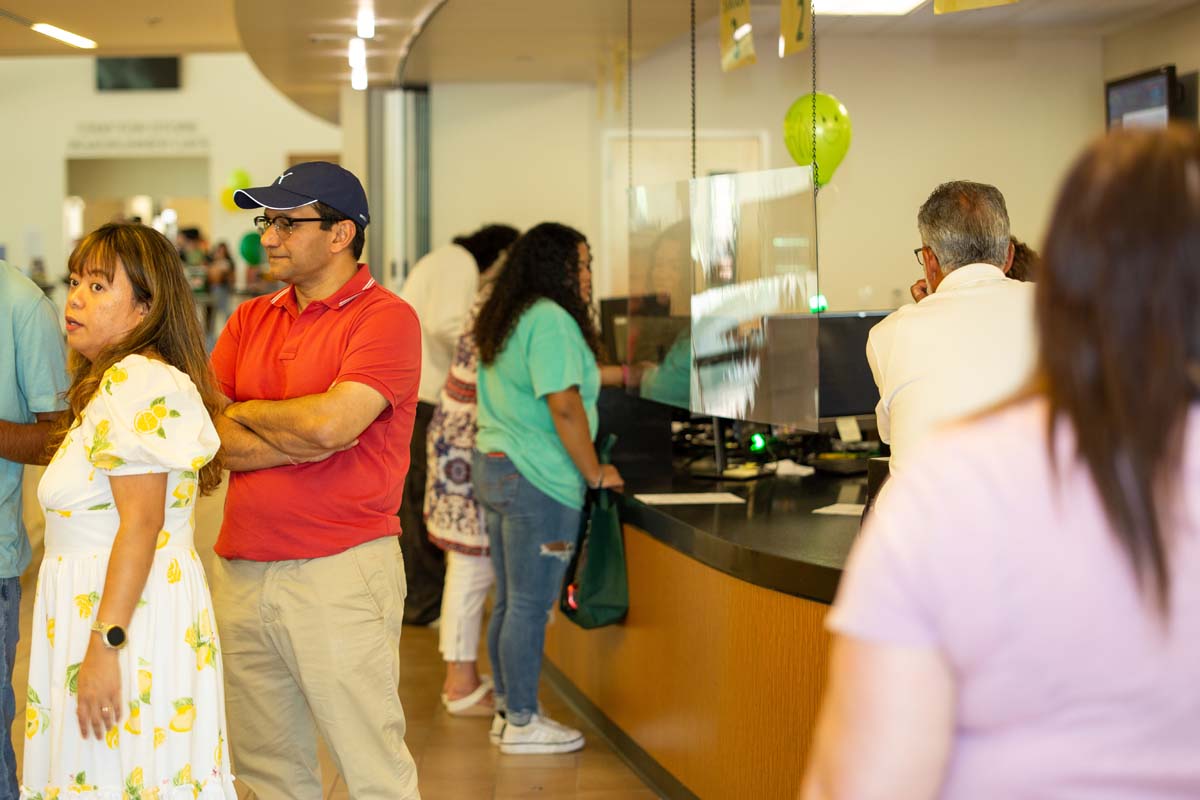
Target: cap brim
[[271, 197]]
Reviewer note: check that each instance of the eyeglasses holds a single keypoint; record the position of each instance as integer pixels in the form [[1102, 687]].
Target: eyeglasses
[[919, 252], [282, 225]]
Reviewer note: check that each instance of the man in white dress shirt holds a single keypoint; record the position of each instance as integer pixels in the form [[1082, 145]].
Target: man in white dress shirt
[[441, 287], [969, 343]]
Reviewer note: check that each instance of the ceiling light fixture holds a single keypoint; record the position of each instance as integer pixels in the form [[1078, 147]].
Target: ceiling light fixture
[[366, 22], [869, 7], [358, 54], [73, 39], [358, 79], [742, 32]]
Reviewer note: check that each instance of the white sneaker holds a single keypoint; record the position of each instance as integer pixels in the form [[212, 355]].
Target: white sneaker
[[541, 735], [497, 731]]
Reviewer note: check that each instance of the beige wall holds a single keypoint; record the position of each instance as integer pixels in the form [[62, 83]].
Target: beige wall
[[517, 154], [924, 110], [1171, 39], [231, 115]]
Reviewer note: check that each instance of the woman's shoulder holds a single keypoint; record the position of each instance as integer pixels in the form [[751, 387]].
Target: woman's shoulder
[[547, 314], [137, 375]]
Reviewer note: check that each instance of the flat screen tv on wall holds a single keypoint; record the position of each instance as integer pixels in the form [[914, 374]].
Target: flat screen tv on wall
[[1148, 100], [133, 74]]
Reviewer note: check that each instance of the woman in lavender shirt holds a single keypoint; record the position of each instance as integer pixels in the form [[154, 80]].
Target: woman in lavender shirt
[[1023, 621]]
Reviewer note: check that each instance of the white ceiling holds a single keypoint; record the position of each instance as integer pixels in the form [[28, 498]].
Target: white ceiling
[[301, 45]]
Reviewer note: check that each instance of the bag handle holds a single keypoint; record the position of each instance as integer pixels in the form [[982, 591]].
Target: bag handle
[[604, 451]]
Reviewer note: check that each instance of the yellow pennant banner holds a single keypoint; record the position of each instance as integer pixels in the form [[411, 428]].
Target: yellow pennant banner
[[795, 26], [737, 35], [950, 6]]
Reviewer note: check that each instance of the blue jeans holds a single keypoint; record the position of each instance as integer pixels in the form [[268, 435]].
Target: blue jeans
[[532, 538], [10, 613]]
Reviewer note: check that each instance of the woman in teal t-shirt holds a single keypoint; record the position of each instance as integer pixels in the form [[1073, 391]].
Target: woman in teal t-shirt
[[537, 390]]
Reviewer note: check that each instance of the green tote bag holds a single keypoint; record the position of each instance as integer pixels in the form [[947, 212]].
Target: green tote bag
[[595, 591]]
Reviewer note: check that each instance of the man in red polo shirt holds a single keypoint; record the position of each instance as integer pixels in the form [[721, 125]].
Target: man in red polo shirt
[[309, 587]]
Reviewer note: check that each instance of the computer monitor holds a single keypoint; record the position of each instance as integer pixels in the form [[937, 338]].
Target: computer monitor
[[847, 388], [1146, 100]]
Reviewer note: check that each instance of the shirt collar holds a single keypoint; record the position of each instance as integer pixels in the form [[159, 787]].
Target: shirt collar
[[351, 290], [968, 274]]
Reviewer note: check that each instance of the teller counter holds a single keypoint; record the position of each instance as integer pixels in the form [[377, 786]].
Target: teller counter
[[710, 688]]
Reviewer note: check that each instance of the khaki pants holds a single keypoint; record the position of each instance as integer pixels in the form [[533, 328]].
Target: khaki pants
[[315, 639]]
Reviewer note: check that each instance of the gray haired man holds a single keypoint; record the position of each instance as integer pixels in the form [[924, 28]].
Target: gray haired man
[[971, 341]]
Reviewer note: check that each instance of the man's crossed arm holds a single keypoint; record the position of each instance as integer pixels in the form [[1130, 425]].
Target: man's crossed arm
[[259, 434]]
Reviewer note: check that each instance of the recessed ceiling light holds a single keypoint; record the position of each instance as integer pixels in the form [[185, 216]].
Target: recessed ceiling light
[[358, 54], [742, 32], [867, 7], [358, 79], [366, 22]]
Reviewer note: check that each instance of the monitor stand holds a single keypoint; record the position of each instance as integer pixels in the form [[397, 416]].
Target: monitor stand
[[718, 468]]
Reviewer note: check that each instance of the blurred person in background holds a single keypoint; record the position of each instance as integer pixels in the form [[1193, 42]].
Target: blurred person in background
[[1021, 618]]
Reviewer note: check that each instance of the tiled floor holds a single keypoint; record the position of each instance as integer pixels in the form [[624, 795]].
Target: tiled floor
[[455, 760]]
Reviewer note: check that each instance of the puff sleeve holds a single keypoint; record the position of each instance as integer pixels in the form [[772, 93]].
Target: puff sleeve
[[147, 417]]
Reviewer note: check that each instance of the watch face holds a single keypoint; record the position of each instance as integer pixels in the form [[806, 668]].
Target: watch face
[[115, 636]]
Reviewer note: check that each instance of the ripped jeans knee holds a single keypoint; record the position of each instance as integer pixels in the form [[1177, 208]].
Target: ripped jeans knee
[[560, 550]]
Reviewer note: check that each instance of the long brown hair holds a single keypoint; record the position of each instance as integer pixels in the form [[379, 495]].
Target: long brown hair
[[1116, 310], [169, 331], [544, 262]]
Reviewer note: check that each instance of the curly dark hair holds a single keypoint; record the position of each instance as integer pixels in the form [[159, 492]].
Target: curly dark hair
[[1025, 261], [544, 262], [486, 244]]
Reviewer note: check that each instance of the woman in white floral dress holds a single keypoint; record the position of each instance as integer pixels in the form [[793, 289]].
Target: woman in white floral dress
[[125, 696]]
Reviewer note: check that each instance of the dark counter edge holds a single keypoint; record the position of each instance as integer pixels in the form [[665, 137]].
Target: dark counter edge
[[642, 763], [810, 581]]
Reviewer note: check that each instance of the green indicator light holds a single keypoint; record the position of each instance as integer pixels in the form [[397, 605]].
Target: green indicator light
[[758, 443], [817, 304]]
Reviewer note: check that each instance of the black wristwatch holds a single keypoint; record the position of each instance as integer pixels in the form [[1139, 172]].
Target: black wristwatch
[[113, 636]]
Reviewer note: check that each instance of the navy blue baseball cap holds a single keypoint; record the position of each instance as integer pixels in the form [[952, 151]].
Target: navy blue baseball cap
[[308, 183]]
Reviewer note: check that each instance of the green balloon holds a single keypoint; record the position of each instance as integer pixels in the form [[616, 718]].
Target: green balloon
[[832, 133], [251, 249], [240, 179]]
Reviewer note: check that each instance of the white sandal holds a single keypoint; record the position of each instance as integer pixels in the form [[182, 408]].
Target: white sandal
[[472, 705]]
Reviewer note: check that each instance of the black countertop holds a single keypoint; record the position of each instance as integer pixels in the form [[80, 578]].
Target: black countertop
[[773, 540]]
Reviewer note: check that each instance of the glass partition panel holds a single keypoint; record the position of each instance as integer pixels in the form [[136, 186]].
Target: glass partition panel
[[723, 290]]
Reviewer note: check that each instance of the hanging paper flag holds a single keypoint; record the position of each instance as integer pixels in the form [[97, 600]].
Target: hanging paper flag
[[950, 6], [737, 35], [620, 74], [795, 26]]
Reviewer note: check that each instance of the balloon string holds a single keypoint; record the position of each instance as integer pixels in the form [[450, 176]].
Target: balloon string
[[816, 237], [812, 45]]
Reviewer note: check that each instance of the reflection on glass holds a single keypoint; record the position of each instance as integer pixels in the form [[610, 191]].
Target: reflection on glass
[[723, 275]]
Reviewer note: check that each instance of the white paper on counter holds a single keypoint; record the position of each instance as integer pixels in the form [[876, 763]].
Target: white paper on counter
[[690, 499], [842, 509]]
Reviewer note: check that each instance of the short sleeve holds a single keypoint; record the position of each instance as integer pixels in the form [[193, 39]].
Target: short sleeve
[[224, 355], [555, 351], [147, 417], [890, 587], [41, 358], [384, 352]]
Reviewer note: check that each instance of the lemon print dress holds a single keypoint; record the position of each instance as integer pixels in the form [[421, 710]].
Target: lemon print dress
[[146, 417]]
